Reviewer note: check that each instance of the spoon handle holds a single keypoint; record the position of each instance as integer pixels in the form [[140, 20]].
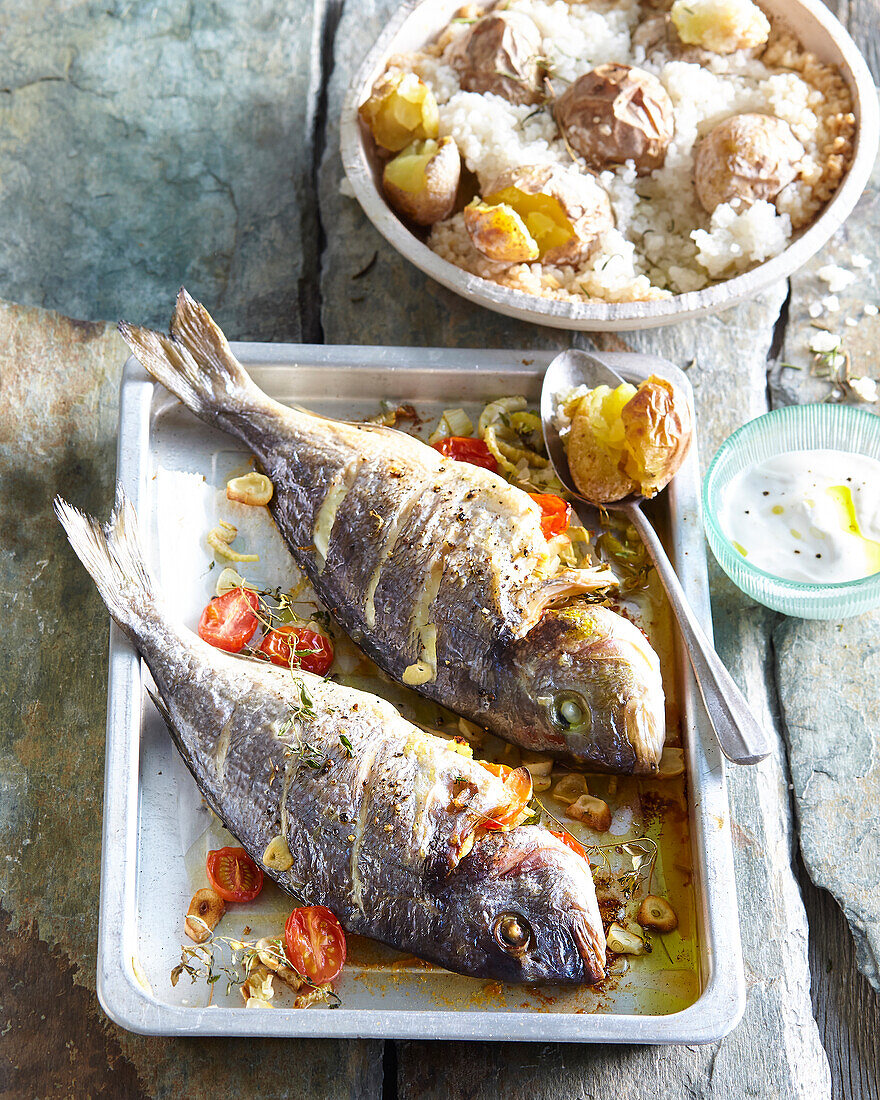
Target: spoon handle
[[740, 735]]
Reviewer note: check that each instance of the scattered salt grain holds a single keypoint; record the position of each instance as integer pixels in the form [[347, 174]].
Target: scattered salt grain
[[622, 821], [822, 342], [851, 322], [871, 310], [860, 261], [864, 388], [837, 278], [816, 310], [831, 302]]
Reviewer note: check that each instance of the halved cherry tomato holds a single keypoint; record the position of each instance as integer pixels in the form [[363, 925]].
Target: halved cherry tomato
[[233, 874], [463, 449], [315, 943], [229, 620], [311, 651], [517, 786], [568, 839], [555, 513]]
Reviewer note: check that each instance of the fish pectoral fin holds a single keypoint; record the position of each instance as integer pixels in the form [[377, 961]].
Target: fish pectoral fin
[[573, 582]]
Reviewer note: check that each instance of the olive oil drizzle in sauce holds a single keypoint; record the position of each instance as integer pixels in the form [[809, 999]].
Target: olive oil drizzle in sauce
[[808, 516]]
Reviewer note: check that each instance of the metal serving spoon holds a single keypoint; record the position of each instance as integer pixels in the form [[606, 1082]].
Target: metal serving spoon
[[741, 737]]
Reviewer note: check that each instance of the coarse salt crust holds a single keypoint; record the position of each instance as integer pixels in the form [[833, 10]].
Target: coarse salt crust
[[663, 241]]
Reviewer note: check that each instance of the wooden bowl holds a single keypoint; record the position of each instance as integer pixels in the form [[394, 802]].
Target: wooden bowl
[[419, 21]]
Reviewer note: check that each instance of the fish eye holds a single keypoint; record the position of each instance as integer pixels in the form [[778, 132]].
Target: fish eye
[[512, 932], [570, 711]]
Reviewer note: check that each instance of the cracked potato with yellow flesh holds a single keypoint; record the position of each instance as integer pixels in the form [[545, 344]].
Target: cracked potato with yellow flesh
[[421, 182], [562, 211], [722, 26], [631, 439], [401, 109], [499, 233]]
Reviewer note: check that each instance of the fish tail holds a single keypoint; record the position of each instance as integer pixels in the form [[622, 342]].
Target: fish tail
[[114, 558], [194, 362]]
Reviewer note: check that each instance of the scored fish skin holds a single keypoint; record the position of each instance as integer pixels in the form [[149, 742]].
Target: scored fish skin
[[374, 811], [394, 536]]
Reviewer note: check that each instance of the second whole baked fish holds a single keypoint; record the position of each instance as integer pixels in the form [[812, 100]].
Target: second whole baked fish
[[384, 824], [437, 569]]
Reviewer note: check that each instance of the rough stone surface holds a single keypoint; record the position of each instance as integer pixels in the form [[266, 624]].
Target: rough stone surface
[[792, 377], [829, 672], [58, 397], [143, 146]]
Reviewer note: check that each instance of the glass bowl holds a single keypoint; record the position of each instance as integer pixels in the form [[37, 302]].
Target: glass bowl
[[794, 428]]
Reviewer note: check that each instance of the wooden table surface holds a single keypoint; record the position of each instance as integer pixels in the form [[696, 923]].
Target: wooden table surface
[[143, 146]]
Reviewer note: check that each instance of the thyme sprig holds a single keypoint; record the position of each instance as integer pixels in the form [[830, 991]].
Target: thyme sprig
[[304, 705], [642, 854], [206, 961], [309, 755]]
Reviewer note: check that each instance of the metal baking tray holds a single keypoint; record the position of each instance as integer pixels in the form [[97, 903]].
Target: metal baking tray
[[156, 828]]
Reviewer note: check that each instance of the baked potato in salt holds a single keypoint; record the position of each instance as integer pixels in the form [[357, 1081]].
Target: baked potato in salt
[[722, 26], [631, 439], [422, 181], [617, 113], [748, 157], [401, 109], [659, 39], [500, 54], [499, 233], [562, 210]]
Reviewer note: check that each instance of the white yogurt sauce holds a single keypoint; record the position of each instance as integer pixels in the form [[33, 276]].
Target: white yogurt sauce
[[810, 516]]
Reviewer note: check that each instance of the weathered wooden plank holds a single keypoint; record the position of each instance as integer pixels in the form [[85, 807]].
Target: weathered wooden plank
[[776, 1050], [143, 146], [828, 672], [846, 1008]]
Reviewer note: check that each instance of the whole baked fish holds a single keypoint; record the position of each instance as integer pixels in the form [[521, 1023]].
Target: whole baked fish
[[384, 824], [437, 569]]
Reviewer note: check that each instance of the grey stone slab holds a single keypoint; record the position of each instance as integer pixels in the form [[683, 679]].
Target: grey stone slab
[[829, 673], [776, 1050], [830, 704], [143, 146], [59, 382], [792, 377]]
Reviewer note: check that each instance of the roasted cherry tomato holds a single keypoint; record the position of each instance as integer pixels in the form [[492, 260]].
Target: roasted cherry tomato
[[234, 875], [569, 840], [463, 449], [310, 650], [315, 943], [228, 622], [518, 787], [555, 513]]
